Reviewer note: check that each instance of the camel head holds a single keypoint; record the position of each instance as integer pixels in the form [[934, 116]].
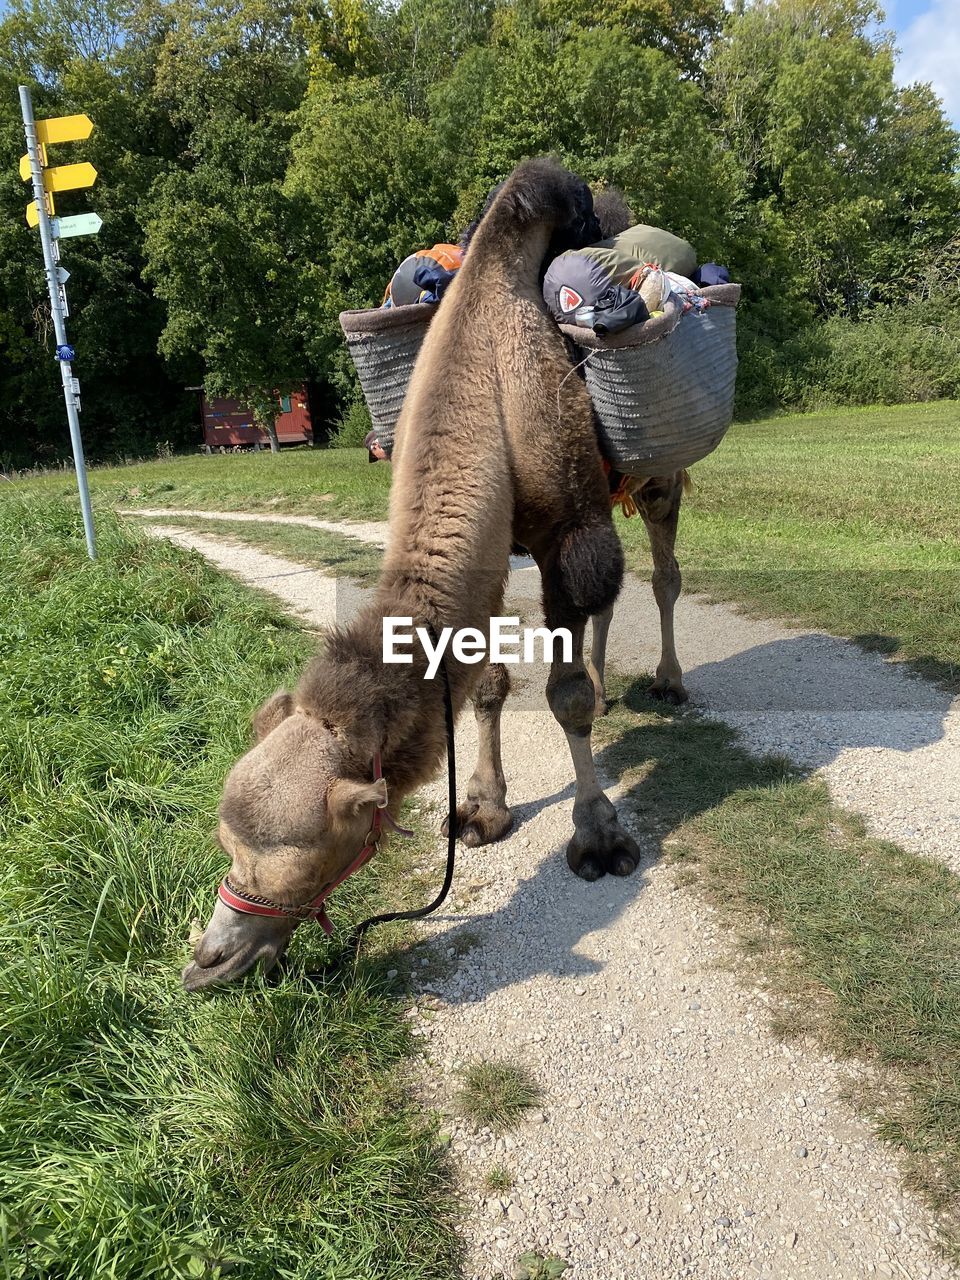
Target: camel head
[[294, 816]]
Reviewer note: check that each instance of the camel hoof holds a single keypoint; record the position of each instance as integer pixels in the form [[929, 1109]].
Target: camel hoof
[[480, 822], [587, 868], [670, 691], [623, 864], [608, 849]]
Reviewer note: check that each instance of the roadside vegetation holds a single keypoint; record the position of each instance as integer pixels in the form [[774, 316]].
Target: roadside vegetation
[[496, 1095], [857, 940], [846, 521], [331, 484], [262, 1132], [241, 215]]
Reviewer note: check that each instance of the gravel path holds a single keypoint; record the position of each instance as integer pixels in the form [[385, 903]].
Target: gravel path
[[676, 1137], [887, 741]]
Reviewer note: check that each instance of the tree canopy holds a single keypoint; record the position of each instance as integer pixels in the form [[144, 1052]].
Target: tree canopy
[[266, 163]]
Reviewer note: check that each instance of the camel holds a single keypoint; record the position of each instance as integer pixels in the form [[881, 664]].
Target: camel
[[302, 808]]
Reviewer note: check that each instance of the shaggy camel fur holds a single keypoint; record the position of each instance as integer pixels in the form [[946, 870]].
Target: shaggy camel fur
[[296, 807]]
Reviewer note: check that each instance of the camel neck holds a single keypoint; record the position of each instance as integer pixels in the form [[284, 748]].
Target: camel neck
[[392, 708]]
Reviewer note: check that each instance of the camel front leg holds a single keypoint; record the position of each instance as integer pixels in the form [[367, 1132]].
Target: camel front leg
[[599, 842], [484, 816], [659, 504]]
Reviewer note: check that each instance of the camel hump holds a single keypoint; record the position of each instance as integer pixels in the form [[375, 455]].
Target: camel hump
[[538, 193]]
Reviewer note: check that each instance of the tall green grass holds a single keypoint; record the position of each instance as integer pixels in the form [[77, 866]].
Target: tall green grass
[[144, 1132]]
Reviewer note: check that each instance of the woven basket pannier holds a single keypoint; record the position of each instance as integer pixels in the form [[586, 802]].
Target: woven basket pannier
[[384, 344], [663, 390]]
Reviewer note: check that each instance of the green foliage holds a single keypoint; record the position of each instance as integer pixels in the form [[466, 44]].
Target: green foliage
[[536, 1266], [353, 426], [894, 355], [495, 1095], [144, 1133], [264, 166]]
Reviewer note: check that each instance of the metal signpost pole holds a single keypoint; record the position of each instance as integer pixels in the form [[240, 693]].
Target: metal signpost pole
[[51, 254]]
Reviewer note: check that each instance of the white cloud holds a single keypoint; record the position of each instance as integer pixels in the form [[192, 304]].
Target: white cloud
[[930, 51]]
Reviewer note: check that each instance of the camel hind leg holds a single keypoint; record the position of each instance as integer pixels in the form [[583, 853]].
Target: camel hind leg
[[484, 816], [581, 577], [658, 501]]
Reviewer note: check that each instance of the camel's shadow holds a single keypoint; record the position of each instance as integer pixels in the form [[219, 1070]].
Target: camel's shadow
[[792, 696], [814, 696], [550, 912]]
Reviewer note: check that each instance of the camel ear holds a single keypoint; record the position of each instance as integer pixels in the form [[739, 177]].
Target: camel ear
[[345, 799], [273, 711]]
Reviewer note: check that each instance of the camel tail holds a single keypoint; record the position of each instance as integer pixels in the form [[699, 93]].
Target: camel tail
[[537, 193]]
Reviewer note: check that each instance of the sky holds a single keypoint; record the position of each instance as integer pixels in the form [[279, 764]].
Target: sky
[[928, 37]]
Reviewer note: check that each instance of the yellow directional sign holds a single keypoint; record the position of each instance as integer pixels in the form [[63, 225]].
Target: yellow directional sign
[[25, 171], [69, 177], [63, 177], [64, 129], [33, 218]]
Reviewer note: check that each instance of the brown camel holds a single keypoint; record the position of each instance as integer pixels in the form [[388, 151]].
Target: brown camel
[[299, 806]]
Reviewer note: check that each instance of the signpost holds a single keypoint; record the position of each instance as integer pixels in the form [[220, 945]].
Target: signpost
[[40, 213]]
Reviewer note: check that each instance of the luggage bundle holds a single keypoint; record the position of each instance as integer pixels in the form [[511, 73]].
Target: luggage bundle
[[658, 350]]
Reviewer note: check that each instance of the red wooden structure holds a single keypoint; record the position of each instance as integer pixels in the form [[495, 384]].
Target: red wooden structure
[[227, 424]]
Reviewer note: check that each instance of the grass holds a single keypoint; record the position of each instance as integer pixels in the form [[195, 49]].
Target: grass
[[331, 483], [845, 520], [495, 1095], [264, 1132], [340, 555], [498, 1178], [857, 939], [848, 521]]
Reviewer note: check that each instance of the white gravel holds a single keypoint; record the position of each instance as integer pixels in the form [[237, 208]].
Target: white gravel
[[676, 1136]]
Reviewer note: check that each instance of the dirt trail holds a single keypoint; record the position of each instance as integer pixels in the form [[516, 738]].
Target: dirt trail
[[676, 1137], [887, 742]]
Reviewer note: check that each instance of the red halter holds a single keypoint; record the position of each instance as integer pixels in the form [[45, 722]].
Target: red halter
[[315, 909]]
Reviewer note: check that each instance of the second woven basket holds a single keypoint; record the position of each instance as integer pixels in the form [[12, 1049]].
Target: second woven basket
[[662, 390]]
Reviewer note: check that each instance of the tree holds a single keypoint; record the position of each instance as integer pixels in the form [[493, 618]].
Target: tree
[[75, 61], [222, 259], [804, 93], [369, 205], [615, 111], [222, 237]]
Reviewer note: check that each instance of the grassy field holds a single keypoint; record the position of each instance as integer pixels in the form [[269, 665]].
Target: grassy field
[[849, 520], [163, 1136], [336, 553], [261, 1133], [331, 483], [857, 940]]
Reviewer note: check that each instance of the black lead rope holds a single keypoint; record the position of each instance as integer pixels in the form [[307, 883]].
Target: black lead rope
[[352, 944]]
